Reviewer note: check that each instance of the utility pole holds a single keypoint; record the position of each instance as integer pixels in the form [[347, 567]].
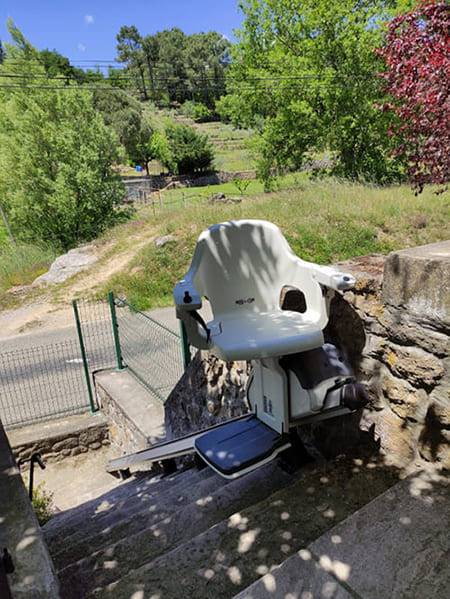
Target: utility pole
[[13, 239]]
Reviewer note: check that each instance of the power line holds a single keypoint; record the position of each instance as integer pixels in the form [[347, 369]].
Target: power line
[[221, 78]]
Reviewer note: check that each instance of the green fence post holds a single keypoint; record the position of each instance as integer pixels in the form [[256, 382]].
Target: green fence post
[[185, 347], [115, 326], [94, 408]]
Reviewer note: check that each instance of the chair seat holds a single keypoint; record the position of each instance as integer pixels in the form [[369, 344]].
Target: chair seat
[[253, 335]]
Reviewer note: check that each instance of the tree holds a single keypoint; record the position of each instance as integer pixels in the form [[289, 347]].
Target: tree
[[130, 52], [188, 152], [151, 51], [122, 113], [207, 61], [304, 74], [56, 65], [417, 75], [149, 145], [56, 155], [174, 66]]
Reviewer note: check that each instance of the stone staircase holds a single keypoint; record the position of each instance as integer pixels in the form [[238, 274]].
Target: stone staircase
[[195, 534]]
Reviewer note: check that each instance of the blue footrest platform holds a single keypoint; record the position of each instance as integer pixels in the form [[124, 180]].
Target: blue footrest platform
[[236, 448]]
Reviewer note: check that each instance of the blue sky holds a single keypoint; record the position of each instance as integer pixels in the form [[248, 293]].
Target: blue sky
[[85, 31]]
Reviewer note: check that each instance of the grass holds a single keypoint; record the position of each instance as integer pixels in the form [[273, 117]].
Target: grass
[[21, 264], [175, 199], [324, 222]]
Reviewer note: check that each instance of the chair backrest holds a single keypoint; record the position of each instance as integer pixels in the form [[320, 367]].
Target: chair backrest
[[247, 262]]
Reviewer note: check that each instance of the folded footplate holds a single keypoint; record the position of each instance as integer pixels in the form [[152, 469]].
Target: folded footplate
[[239, 447], [231, 449]]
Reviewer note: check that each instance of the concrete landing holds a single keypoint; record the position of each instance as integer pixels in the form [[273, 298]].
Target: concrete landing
[[396, 547], [136, 417]]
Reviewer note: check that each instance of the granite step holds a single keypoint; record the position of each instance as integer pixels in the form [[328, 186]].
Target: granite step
[[395, 547], [130, 551], [127, 493], [230, 555], [118, 520]]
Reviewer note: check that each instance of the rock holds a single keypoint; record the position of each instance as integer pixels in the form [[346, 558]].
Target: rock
[[67, 265], [397, 438], [417, 280], [419, 367], [405, 401], [222, 198], [218, 197], [161, 241], [209, 391], [67, 443], [404, 329], [345, 330], [434, 441]]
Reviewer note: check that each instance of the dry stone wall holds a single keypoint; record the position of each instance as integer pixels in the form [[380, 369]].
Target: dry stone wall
[[58, 446], [406, 360], [394, 327]]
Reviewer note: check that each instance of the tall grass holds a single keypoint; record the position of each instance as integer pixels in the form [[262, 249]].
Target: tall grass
[[324, 222], [21, 264]]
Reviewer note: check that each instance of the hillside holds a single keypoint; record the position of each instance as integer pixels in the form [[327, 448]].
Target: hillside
[[324, 221]]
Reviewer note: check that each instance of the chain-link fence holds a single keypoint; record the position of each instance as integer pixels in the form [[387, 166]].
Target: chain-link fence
[[40, 382]]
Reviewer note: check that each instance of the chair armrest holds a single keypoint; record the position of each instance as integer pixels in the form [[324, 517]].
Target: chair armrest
[[186, 296], [332, 278]]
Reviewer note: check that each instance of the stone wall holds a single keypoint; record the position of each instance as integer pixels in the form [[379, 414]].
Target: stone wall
[[406, 358], [136, 418], [76, 437], [394, 328], [34, 576], [126, 437], [209, 392]]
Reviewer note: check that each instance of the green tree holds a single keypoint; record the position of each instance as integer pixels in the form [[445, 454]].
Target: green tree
[[129, 50], [58, 66], [188, 152], [56, 156], [305, 74], [122, 113], [149, 145], [171, 72], [151, 53], [207, 59], [174, 66]]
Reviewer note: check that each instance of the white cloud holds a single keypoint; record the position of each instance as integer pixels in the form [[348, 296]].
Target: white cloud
[[89, 19], [81, 47]]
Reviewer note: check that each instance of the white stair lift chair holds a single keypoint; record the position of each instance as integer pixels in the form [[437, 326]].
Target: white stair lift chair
[[241, 267]]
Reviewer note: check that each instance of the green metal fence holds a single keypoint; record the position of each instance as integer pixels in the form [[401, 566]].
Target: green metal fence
[[42, 382], [47, 381], [151, 351]]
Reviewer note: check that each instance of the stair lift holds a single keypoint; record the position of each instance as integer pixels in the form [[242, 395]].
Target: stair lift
[[243, 268]]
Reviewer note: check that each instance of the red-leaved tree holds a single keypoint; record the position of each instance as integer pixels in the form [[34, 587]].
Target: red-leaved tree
[[417, 57]]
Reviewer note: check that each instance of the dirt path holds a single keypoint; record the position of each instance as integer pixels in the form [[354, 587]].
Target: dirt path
[[44, 311]]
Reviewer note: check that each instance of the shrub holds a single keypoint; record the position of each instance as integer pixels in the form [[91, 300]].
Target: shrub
[[197, 111], [188, 152]]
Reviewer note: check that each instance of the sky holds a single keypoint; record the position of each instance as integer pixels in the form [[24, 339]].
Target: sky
[[85, 30]]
